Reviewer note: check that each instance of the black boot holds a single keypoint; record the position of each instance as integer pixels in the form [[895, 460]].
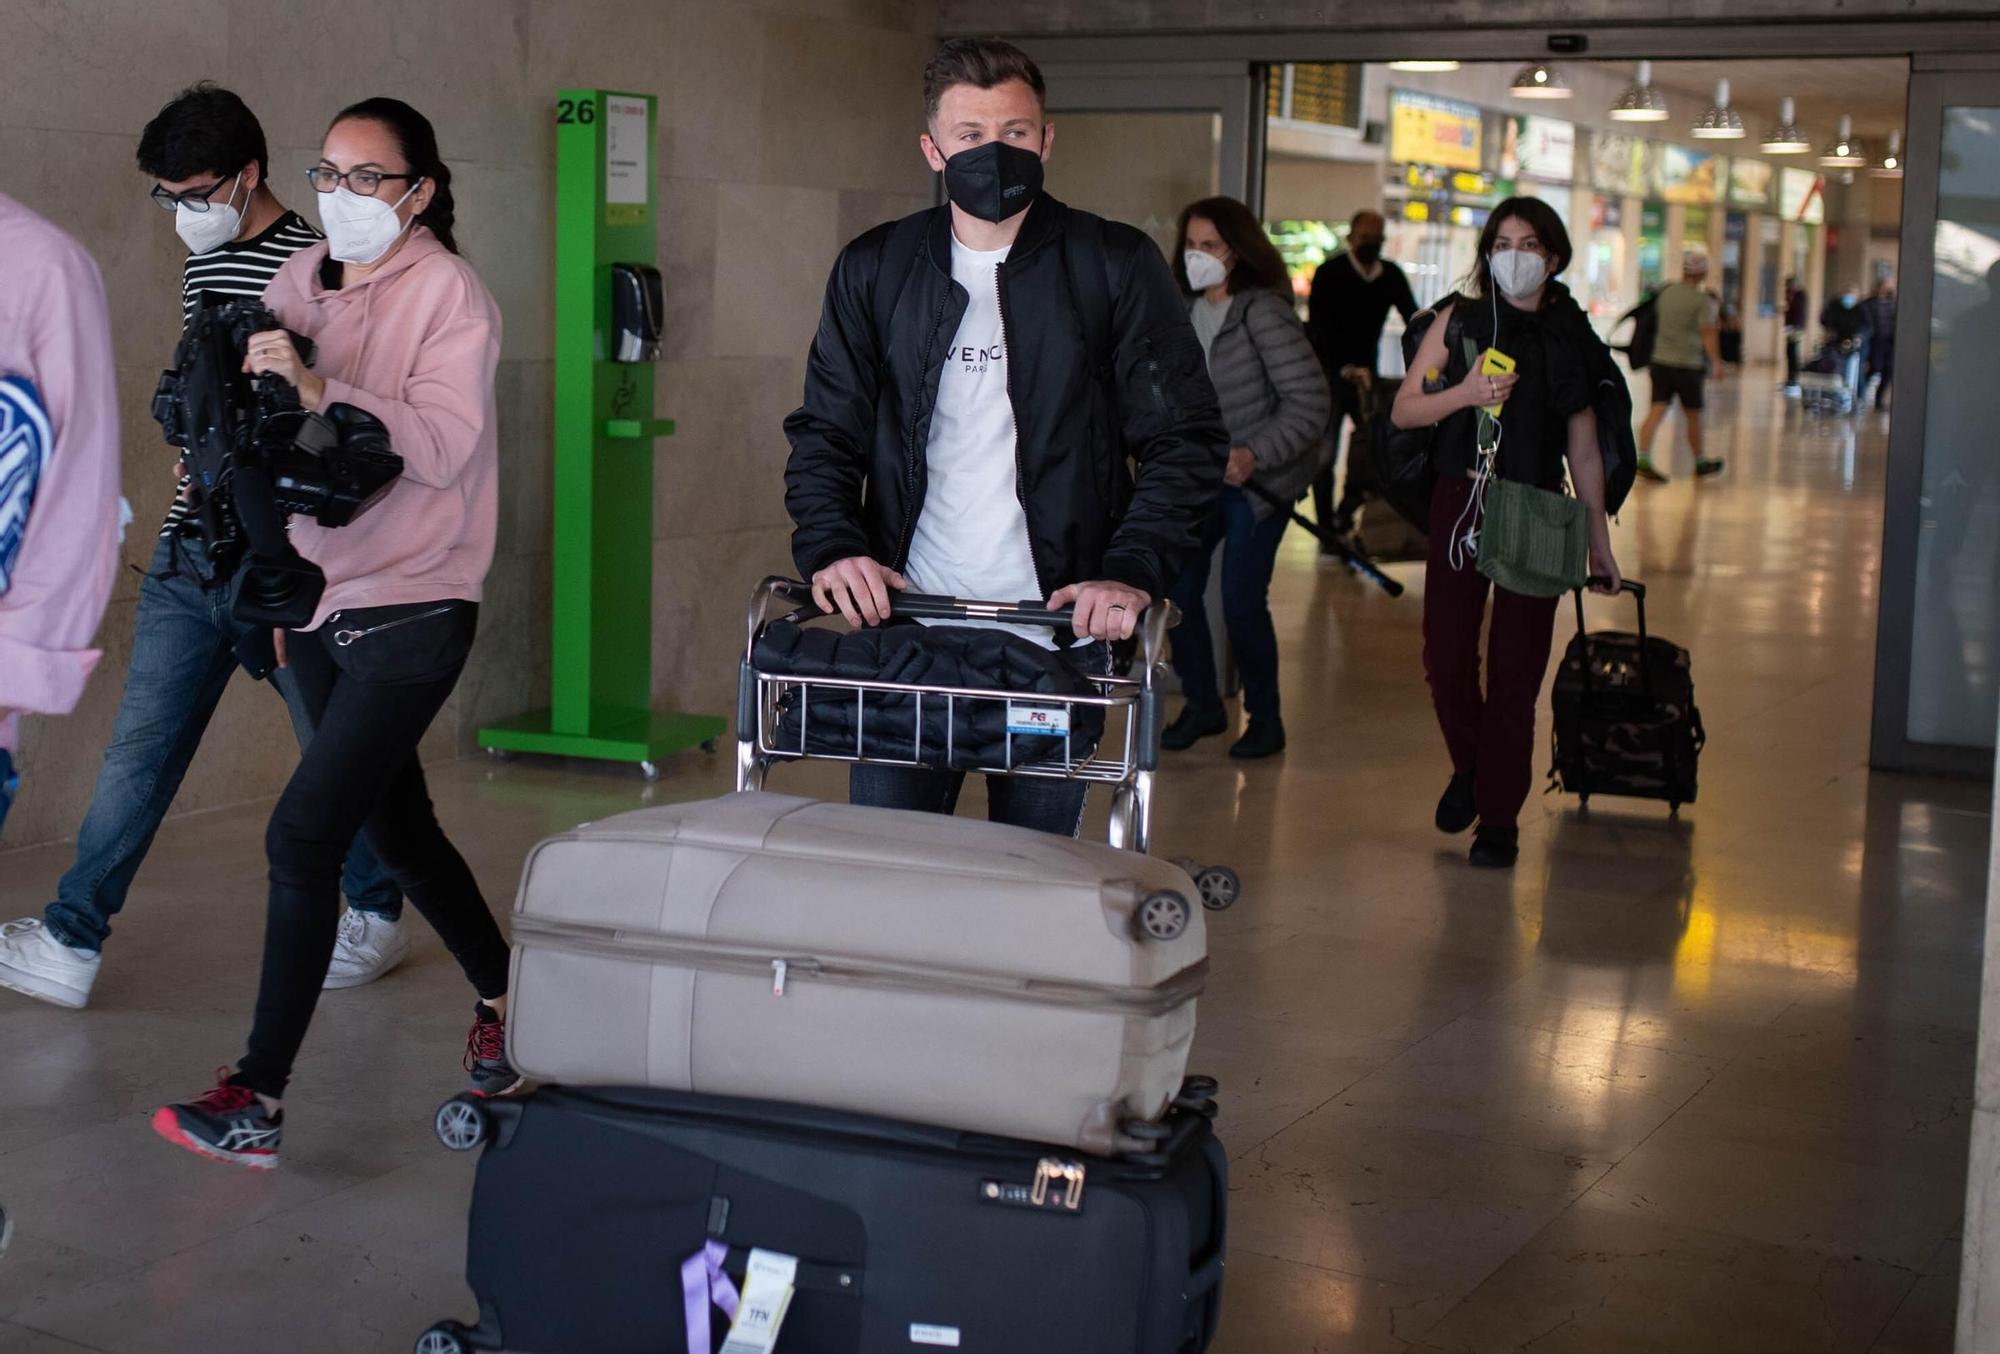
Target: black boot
[[1496, 848], [1264, 738], [1196, 722], [1456, 811]]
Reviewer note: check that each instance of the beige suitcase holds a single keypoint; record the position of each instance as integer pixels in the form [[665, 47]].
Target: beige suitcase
[[942, 970]]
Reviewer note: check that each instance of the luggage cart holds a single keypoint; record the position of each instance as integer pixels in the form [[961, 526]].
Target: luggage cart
[[1123, 757]]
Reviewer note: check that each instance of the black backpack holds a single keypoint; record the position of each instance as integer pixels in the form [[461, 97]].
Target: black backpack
[[1645, 318], [1399, 459]]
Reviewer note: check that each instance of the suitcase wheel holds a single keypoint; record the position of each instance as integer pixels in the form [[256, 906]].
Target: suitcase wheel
[[447, 1337], [1163, 916], [1220, 887], [461, 1125]]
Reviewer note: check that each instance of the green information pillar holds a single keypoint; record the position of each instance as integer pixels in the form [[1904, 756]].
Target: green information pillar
[[601, 702]]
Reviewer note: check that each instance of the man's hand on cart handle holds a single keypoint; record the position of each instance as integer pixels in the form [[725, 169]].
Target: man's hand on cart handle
[[858, 588], [1104, 610]]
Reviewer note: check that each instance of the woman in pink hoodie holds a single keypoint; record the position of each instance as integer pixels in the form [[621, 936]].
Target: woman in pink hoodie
[[406, 331]]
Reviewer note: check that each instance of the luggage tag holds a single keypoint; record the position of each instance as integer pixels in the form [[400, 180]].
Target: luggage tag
[[767, 1296], [1037, 719]]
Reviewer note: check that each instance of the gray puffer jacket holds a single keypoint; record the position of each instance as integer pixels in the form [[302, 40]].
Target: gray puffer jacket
[[1274, 396]]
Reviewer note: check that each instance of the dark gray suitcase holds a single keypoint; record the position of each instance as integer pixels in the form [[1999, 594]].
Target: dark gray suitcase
[[587, 1204]]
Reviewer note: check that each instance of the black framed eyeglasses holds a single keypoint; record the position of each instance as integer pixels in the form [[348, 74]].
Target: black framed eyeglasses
[[366, 182], [194, 199]]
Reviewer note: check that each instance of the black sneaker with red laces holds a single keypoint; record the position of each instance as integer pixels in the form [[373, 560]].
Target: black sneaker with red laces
[[228, 1124], [486, 1054]]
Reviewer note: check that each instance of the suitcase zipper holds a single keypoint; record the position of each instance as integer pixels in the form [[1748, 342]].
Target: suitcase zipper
[[612, 942]]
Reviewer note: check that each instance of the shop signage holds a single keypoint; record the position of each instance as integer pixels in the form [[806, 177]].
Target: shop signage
[[1688, 175], [1750, 183], [1427, 130], [1621, 163], [1539, 148], [1801, 196]]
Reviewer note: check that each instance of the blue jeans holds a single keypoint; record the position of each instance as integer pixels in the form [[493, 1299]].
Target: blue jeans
[[1043, 803], [183, 652], [1249, 554]]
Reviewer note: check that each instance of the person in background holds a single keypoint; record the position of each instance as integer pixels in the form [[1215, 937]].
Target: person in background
[[1797, 313], [974, 444], [1277, 409], [59, 503], [1846, 326], [406, 332], [1352, 294], [1881, 312], [1686, 351], [206, 154], [1509, 302]]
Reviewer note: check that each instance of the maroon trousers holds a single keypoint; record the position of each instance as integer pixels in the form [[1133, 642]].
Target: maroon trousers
[[1490, 733]]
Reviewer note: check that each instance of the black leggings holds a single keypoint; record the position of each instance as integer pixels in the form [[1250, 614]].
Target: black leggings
[[360, 772]]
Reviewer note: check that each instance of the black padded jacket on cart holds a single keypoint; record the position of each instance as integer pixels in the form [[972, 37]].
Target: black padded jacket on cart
[[1120, 444], [884, 724]]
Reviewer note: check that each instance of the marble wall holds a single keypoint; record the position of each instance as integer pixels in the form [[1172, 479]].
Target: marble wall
[[786, 127]]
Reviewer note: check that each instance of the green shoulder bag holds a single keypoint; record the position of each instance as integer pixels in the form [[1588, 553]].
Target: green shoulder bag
[[1531, 541]]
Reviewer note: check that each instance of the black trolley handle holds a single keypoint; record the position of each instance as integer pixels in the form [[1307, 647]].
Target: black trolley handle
[[1638, 591]]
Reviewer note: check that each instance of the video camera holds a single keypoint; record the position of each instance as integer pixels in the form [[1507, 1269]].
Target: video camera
[[254, 455]]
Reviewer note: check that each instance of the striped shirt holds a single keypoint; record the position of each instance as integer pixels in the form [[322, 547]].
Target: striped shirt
[[240, 268]]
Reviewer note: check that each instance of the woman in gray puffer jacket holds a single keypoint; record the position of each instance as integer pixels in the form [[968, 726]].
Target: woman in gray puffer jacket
[[1277, 408]]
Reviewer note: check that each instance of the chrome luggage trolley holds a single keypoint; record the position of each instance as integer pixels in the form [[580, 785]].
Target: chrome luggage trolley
[[1123, 757]]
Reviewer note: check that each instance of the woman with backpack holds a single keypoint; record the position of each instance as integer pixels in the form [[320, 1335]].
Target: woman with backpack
[[1509, 304], [1277, 407]]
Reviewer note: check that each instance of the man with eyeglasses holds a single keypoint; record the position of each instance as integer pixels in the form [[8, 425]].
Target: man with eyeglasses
[[207, 155]]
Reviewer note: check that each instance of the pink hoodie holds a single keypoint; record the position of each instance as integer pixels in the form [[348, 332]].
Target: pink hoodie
[[56, 331], [415, 344]]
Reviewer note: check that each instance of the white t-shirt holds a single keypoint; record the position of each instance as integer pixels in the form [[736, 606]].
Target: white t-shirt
[[971, 538]]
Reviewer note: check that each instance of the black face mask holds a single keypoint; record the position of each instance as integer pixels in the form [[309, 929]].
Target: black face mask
[[993, 181], [1368, 253]]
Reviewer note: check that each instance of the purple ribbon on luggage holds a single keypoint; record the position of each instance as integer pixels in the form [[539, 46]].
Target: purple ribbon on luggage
[[704, 1284]]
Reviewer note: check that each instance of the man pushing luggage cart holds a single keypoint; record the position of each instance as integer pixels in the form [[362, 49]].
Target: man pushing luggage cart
[[1004, 398]]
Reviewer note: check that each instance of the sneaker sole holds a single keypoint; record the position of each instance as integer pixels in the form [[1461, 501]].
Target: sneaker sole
[[341, 982], [42, 989], [169, 1127], [519, 1082]]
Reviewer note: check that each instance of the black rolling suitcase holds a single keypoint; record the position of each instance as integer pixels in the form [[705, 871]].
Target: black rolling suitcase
[[1625, 717], [594, 1213]]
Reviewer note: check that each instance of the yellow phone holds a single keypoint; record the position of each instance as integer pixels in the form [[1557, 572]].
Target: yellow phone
[[1495, 363]]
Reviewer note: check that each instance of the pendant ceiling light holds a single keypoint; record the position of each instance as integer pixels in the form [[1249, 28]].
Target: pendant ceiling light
[[1424, 67], [1843, 152], [1641, 102], [1786, 138], [1892, 163], [1538, 80], [1720, 122]]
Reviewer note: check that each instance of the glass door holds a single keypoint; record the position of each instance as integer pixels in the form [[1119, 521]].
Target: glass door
[[1938, 663]]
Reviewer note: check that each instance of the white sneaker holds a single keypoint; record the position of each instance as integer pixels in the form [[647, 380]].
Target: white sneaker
[[367, 948], [36, 964]]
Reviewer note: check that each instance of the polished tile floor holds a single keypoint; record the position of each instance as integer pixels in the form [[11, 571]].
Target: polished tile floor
[[1694, 1086]]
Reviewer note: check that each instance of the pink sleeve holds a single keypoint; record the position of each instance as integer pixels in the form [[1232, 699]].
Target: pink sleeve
[[69, 555]]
